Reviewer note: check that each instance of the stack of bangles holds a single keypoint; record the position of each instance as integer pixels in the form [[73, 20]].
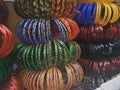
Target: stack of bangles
[[100, 66], [12, 83], [53, 79], [5, 68], [33, 31], [45, 8], [3, 11], [92, 82], [97, 33], [92, 1], [44, 56], [102, 50], [97, 13], [6, 41]]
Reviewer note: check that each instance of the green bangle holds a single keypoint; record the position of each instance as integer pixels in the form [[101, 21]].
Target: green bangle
[[70, 48], [39, 56], [49, 54], [27, 57], [65, 52], [57, 54]]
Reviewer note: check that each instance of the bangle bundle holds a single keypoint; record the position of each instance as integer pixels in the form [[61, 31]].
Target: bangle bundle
[[33, 31], [5, 68], [91, 82], [6, 41], [12, 83], [52, 79], [3, 11], [65, 29], [102, 50], [44, 56], [45, 8], [97, 33], [100, 66], [97, 13]]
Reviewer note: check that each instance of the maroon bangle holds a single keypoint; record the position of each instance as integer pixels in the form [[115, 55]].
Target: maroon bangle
[[96, 33]]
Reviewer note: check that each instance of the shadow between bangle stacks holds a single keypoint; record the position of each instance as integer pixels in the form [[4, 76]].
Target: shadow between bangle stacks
[[4, 12]]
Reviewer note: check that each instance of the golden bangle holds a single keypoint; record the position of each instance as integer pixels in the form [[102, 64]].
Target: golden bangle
[[52, 79]]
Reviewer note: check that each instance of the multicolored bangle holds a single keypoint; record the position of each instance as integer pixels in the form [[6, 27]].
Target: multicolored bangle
[[89, 14], [45, 56], [34, 31], [54, 77], [45, 9]]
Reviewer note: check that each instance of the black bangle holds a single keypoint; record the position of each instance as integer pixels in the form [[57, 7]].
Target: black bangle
[[100, 50]]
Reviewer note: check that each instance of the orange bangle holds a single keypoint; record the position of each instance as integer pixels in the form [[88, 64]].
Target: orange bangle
[[52, 79], [74, 29]]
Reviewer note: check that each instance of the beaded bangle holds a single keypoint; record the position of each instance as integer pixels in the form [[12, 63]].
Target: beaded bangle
[[97, 33], [41, 56], [100, 50], [54, 77]]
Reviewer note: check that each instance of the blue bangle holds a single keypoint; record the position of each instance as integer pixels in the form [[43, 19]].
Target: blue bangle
[[19, 30], [91, 11], [84, 21], [59, 28], [39, 31], [78, 15], [34, 35], [63, 31], [29, 32], [24, 30]]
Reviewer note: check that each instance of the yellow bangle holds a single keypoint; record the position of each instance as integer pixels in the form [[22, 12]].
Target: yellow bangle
[[102, 18], [98, 12], [115, 15], [93, 1]]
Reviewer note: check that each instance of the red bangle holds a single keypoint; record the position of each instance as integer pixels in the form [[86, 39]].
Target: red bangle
[[7, 41], [96, 33]]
